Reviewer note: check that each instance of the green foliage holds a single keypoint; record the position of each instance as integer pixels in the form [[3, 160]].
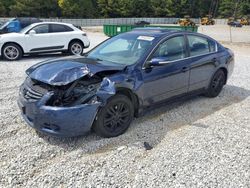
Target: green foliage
[[37, 8], [115, 8], [2, 9], [77, 8], [121, 8]]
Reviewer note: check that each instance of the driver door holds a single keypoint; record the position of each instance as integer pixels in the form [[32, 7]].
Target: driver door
[[170, 79], [40, 40]]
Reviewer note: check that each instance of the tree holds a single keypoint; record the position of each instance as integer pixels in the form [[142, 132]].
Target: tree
[[162, 8], [2, 9], [244, 9], [36, 8], [115, 8], [77, 8], [142, 8]]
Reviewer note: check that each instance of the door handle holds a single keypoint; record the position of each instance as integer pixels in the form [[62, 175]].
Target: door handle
[[184, 69], [215, 62]]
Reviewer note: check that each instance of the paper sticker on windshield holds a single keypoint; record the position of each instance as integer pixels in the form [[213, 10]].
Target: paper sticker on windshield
[[147, 38]]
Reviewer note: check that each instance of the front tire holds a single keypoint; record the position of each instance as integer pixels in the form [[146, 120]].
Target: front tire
[[216, 84], [12, 52], [114, 119], [76, 48]]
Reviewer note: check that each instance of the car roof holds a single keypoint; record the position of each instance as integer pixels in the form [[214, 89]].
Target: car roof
[[39, 23], [154, 31], [162, 32]]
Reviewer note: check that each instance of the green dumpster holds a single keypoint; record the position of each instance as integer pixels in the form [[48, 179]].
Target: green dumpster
[[112, 30]]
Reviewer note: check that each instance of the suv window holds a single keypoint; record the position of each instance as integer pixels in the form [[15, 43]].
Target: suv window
[[198, 45], [58, 28], [172, 49], [41, 29]]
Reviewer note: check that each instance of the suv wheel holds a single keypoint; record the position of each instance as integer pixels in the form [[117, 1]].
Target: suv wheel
[[115, 118], [76, 48], [12, 52]]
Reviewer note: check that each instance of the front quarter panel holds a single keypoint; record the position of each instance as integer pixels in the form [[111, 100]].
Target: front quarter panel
[[13, 38]]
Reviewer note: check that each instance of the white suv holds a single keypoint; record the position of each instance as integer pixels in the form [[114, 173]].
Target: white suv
[[43, 37]]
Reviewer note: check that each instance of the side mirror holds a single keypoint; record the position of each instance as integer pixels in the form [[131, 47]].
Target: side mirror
[[32, 32], [157, 62]]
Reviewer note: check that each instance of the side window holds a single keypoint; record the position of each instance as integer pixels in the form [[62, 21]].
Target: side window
[[57, 28], [198, 45], [212, 46], [41, 29], [172, 49]]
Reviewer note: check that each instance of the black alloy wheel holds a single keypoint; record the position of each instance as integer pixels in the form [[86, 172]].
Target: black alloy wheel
[[115, 118], [217, 83]]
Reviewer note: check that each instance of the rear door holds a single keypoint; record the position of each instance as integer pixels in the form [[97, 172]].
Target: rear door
[[203, 61], [171, 79], [60, 35]]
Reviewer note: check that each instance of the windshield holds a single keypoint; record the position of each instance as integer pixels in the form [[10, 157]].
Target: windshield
[[4, 24], [124, 49]]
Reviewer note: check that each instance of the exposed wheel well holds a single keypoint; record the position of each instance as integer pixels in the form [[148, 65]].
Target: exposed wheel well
[[76, 40], [13, 43], [133, 97], [225, 72]]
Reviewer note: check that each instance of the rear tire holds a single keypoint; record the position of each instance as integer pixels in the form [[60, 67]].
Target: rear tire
[[76, 48], [114, 119], [11, 52], [216, 84]]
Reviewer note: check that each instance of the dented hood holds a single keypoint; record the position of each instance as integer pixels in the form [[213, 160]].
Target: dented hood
[[64, 71]]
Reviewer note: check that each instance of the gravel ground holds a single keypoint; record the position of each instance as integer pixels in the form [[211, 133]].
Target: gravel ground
[[197, 143]]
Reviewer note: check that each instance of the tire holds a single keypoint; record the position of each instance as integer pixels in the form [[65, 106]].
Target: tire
[[216, 84], [76, 48], [12, 52], [115, 117]]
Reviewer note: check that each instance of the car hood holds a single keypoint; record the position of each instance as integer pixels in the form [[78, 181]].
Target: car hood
[[64, 71]]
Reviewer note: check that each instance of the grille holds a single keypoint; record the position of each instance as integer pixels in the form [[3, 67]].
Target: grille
[[31, 94], [32, 90]]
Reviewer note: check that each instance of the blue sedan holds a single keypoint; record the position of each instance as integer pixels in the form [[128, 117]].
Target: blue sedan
[[116, 81]]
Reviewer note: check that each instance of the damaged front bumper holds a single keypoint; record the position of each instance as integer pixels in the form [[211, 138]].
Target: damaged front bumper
[[58, 121]]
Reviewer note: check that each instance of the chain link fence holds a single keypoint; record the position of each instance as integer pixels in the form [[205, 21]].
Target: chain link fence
[[221, 31], [100, 22]]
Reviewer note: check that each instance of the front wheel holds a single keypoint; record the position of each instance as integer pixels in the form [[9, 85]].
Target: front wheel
[[114, 119], [216, 84], [12, 52], [76, 48]]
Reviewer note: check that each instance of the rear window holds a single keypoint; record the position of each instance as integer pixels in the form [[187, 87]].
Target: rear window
[[198, 45], [58, 28]]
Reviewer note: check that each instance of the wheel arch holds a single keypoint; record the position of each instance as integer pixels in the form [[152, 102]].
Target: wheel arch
[[225, 72], [132, 96], [12, 43], [76, 40]]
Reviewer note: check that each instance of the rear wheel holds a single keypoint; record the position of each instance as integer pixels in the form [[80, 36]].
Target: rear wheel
[[12, 52], [76, 48], [216, 84], [115, 118]]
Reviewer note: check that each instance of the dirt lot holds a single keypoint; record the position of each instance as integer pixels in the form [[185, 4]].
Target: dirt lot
[[197, 143]]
